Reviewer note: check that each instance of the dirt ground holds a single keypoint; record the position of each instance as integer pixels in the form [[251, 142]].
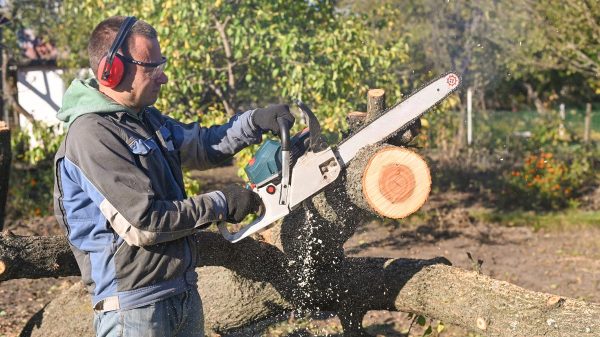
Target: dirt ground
[[561, 261]]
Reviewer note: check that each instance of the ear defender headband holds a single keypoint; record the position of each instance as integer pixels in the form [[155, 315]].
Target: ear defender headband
[[111, 67]]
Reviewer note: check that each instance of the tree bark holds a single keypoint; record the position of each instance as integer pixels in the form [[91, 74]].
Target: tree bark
[[35, 257], [355, 120], [5, 159], [243, 283], [375, 103], [587, 123], [533, 96]]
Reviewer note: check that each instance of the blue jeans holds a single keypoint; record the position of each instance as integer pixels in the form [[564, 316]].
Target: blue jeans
[[179, 315]]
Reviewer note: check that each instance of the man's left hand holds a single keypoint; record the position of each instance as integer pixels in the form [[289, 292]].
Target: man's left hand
[[266, 118]]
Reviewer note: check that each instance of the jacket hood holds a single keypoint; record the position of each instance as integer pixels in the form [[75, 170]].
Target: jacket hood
[[83, 97]]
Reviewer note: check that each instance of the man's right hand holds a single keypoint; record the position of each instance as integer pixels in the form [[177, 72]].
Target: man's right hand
[[240, 202]]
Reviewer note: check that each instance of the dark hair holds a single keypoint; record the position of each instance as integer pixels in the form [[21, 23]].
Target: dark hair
[[105, 33]]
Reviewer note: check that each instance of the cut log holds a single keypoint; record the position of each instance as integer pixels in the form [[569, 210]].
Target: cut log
[[5, 159], [396, 182], [406, 136], [389, 181]]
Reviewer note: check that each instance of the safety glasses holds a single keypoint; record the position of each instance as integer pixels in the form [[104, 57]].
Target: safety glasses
[[158, 67]]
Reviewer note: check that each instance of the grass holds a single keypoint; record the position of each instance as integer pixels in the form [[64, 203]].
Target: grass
[[526, 119], [570, 218], [500, 128]]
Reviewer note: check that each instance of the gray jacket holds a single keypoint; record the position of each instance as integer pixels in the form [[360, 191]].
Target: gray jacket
[[119, 194]]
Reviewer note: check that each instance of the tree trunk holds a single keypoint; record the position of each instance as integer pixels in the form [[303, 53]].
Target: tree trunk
[[533, 96], [587, 123], [5, 159], [355, 120], [243, 283], [305, 269], [461, 135]]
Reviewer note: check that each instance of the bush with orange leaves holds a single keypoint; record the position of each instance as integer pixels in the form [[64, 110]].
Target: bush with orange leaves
[[546, 182]]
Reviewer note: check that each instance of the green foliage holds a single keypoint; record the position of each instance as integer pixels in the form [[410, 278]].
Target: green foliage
[[32, 178], [192, 185], [38, 146], [229, 56], [38, 15], [561, 219], [238, 54], [537, 36]]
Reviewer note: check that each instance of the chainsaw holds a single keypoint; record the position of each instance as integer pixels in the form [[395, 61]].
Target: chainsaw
[[286, 173]]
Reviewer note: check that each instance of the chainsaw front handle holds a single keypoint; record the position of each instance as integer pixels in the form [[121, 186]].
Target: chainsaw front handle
[[284, 133], [285, 161]]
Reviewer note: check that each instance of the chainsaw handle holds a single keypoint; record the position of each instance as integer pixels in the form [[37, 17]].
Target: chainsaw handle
[[284, 133]]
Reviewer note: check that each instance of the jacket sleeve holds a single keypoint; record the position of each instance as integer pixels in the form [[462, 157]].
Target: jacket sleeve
[[102, 165], [205, 147]]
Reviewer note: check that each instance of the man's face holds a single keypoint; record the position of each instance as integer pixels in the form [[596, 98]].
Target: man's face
[[141, 84]]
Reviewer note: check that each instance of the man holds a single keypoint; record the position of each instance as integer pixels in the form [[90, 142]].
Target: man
[[119, 188]]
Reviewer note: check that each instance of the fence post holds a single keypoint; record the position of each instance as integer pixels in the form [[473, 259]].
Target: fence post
[[588, 123], [5, 159], [469, 116], [561, 128]]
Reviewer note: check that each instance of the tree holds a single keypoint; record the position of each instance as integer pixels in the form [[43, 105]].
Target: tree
[[549, 47], [451, 35], [571, 30], [230, 55]]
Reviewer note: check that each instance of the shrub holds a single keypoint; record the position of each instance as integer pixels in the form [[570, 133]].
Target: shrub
[[32, 175], [546, 181]]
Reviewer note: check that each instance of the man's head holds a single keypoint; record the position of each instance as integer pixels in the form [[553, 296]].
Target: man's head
[[141, 56]]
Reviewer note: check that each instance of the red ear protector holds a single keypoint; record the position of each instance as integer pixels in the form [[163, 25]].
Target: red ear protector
[[111, 67]]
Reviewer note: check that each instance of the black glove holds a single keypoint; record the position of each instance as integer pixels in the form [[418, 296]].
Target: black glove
[[240, 202], [266, 118]]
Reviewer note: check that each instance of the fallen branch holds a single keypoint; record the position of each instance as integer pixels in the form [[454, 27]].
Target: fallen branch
[[243, 283]]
